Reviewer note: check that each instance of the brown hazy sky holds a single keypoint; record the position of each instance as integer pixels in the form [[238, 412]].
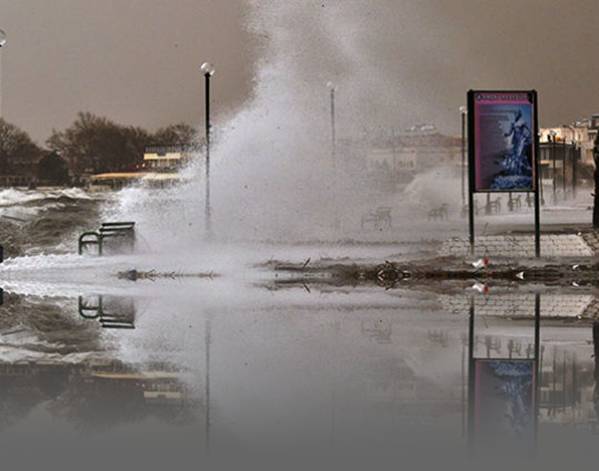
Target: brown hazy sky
[[136, 61]]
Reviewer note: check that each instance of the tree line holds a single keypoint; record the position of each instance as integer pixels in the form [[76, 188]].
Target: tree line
[[91, 144]]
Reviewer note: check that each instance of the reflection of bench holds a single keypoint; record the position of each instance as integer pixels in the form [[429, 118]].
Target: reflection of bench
[[493, 206], [379, 331], [442, 212], [379, 219], [88, 310], [123, 231]]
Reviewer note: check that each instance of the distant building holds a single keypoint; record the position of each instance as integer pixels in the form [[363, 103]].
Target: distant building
[[160, 168], [402, 155], [167, 158], [581, 133]]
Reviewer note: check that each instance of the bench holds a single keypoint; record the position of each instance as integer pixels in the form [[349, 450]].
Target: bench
[[380, 219], [514, 202], [442, 212], [124, 231], [493, 206]]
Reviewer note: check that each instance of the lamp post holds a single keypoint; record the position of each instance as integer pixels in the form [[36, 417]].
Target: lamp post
[[554, 171], [2, 44], [208, 70], [575, 150], [332, 90], [564, 155], [331, 87], [463, 113]]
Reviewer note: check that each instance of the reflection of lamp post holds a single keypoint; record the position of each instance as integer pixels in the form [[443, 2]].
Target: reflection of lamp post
[[463, 113], [208, 71], [2, 44], [207, 342]]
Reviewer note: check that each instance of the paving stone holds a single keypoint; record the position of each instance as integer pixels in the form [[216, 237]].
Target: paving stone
[[566, 245], [522, 305]]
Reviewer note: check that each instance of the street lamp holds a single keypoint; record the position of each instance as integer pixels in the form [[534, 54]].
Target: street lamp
[[331, 87], [463, 113], [554, 170], [208, 70], [2, 44]]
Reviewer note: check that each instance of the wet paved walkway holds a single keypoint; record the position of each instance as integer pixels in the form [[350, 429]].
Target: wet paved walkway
[[521, 246], [516, 306]]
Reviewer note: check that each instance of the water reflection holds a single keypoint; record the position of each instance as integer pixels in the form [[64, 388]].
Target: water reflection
[[112, 312], [352, 372]]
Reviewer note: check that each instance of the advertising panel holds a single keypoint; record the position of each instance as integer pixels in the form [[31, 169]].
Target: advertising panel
[[504, 141]]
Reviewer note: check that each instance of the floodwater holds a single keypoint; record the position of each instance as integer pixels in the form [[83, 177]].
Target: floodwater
[[235, 369]]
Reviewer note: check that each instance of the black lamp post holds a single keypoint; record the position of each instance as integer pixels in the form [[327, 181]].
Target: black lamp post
[[2, 44], [554, 172], [331, 87], [208, 70]]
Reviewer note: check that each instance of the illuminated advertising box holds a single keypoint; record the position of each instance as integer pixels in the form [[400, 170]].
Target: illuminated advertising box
[[504, 126]]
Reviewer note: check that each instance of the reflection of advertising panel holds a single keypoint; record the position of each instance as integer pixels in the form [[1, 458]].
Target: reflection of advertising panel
[[504, 141], [504, 397]]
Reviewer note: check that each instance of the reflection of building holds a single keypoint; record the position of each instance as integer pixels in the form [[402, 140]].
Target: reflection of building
[[96, 392], [566, 389]]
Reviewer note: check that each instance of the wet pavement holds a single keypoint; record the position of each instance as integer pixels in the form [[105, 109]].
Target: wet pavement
[[325, 374]]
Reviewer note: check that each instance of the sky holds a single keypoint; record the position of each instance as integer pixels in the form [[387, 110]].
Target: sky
[[134, 61], [137, 61]]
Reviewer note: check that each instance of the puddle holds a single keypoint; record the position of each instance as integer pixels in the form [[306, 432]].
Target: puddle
[[294, 371]]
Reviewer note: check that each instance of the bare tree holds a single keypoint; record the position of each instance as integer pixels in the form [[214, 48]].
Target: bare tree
[[17, 149]]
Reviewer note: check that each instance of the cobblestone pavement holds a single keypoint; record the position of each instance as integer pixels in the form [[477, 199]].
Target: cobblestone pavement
[[516, 306], [522, 246]]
